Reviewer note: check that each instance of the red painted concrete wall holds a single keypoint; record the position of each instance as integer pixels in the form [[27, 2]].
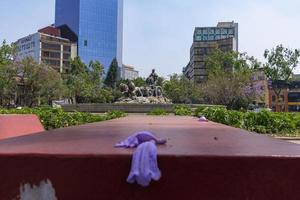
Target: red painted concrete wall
[[19, 125]]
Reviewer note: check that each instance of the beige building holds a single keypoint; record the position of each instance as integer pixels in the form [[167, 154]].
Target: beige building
[[128, 72], [47, 46], [224, 36]]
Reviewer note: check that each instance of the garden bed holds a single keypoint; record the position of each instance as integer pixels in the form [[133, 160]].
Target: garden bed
[[53, 118], [284, 125], [264, 122]]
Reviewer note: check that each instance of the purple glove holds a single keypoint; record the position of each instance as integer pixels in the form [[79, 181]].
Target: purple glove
[[144, 165], [139, 138], [144, 161]]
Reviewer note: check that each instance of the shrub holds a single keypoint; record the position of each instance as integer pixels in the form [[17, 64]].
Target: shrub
[[158, 112], [182, 110], [261, 122], [53, 118], [114, 114]]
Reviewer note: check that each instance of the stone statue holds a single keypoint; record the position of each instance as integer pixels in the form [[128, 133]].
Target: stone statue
[[149, 93], [124, 89], [152, 79]]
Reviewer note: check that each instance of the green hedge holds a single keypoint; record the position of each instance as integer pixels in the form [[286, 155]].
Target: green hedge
[[285, 124], [182, 110], [158, 112], [53, 118]]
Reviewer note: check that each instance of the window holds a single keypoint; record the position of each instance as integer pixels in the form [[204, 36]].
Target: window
[[46, 53], [67, 48], [273, 98], [66, 56], [51, 46], [294, 108], [85, 43], [294, 97], [66, 63], [51, 62], [211, 37], [199, 32], [224, 31], [55, 55], [198, 38]]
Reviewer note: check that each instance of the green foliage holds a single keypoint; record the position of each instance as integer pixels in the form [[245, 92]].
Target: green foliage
[[230, 61], [85, 83], [8, 73], [182, 110], [114, 114], [139, 82], [158, 112], [8, 84], [180, 90], [229, 79], [281, 62], [112, 75], [261, 122], [39, 82], [7, 54], [57, 118], [160, 81]]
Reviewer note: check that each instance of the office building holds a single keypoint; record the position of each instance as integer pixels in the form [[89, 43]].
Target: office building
[[98, 25], [224, 36], [128, 72], [47, 46]]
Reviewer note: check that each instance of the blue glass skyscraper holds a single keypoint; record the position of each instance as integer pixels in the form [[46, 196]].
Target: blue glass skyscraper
[[98, 25]]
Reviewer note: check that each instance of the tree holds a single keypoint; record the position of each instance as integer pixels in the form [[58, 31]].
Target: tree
[[229, 79], [112, 75], [76, 79], [7, 54], [8, 84], [281, 62], [139, 82], [85, 83], [52, 86], [37, 82], [7, 74], [97, 93], [96, 72], [180, 90], [160, 81]]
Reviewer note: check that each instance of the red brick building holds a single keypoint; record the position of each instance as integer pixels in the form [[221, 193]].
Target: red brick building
[[289, 99]]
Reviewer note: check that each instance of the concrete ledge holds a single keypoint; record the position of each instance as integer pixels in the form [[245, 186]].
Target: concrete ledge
[[200, 161], [19, 125], [128, 108]]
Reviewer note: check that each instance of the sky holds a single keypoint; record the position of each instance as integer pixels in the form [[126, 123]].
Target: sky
[[159, 33]]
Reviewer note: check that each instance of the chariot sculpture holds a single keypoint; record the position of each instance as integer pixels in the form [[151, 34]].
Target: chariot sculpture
[[149, 93]]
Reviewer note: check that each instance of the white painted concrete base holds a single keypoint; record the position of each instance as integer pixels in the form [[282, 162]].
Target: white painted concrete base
[[44, 191]]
